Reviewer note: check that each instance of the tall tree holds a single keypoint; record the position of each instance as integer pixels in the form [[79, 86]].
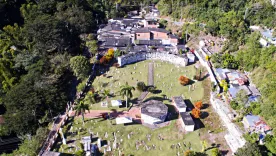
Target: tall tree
[[126, 91], [80, 108], [92, 47], [80, 66], [251, 149]]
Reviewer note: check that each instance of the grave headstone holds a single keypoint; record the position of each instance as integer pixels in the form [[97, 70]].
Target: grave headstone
[[99, 142]]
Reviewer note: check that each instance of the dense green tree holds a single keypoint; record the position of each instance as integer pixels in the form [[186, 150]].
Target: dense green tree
[[251, 137], [270, 143], [241, 97], [255, 108], [251, 149], [234, 105], [229, 61], [30, 145], [80, 66], [141, 86], [92, 47]]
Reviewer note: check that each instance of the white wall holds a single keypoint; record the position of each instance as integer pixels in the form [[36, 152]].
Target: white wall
[[150, 120], [235, 136], [140, 56], [181, 109], [189, 128]]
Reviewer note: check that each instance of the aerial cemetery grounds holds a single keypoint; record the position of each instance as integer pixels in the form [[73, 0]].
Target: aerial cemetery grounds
[[139, 138]]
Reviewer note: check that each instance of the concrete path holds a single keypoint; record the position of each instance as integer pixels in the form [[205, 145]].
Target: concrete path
[[151, 74], [92, 114]]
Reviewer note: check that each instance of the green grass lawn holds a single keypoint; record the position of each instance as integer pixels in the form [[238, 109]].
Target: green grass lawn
[[164, 72], [170, 134]]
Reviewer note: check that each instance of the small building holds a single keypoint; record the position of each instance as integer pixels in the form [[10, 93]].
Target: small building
[[263, 42], [154, 112], [187, 121], [143, 34], [191, 57], [123, 120], [140, 48], [221, 73], [117, 42], [253, 123], [159, 33], [236, 77], [116, 103], [268, 35], [254, 91], [150, 23], [149, 42], [234, 89], [179, 103]]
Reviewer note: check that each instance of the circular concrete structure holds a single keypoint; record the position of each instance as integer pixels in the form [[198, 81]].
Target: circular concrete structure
[[153, 112]]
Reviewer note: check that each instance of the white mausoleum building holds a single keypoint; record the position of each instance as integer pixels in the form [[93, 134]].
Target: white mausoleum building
[[187, 121], [154, 112], [179, 103]]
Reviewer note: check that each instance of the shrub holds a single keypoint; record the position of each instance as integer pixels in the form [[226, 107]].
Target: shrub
[[151, 89], [80, 153], [141, 86], [196, 113], [198, 105], [183, 80], [215, 152], [234, 105]]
